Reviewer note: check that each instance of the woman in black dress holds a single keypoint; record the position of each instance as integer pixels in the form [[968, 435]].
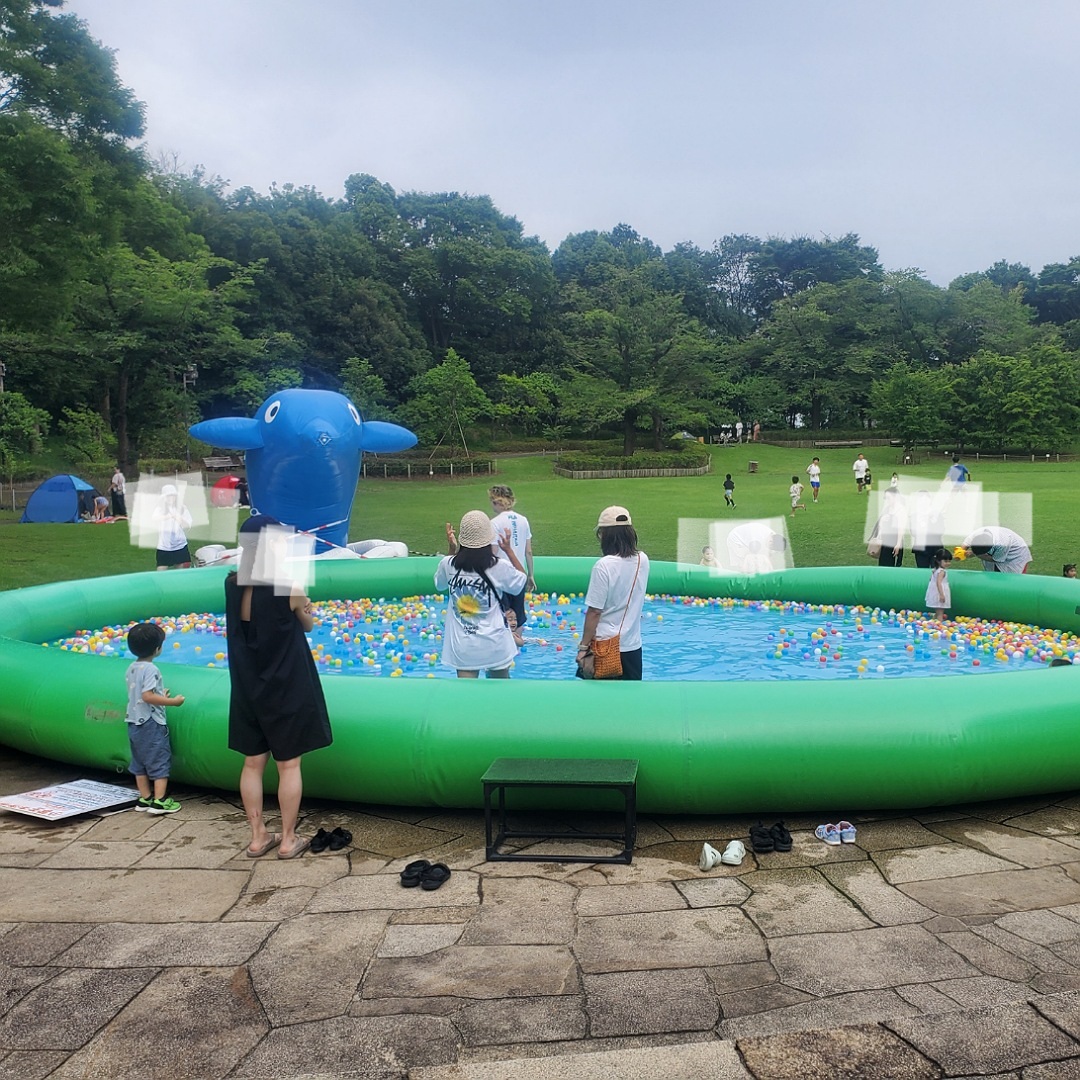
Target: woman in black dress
[[276, 707]]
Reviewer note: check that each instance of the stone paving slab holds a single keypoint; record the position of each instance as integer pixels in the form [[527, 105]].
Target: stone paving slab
[[524, 911], [825, 1014], [490, 971], [640, 942], [936, 863], [122, 945], [834, 1055], [650, 1002], [311, 966], [188, 1024], [66, 1011], [799, 902], [976, 1042], [1016, 845], [996, 893], [882, 903], [837, 963], [691, 1061], [119, 896], [625, 899]]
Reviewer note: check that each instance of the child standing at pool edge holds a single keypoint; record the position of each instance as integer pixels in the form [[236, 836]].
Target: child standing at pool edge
[[148, 732], [938, 595]]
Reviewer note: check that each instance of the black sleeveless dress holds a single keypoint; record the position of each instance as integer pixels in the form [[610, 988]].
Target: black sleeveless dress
[[277, 701]]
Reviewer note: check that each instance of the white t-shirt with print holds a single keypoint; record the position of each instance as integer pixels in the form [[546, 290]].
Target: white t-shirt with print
[[520, 534], [609, 589], [475, 635], [860, 467]]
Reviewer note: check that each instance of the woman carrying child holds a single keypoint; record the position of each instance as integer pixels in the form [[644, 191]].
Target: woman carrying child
[[476, 636], [938, 595]]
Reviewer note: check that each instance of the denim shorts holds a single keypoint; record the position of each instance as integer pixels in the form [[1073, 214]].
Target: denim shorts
[[151, 753]]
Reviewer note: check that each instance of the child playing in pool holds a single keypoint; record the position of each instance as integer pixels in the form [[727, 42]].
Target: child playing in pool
[[938, 595], [708, 557], [148, 733], [795, 491]]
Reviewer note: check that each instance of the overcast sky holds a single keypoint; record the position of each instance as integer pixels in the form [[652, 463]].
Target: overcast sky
[[943, 132]]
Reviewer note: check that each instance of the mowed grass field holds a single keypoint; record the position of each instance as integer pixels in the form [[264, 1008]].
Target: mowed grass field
[[563, 512]]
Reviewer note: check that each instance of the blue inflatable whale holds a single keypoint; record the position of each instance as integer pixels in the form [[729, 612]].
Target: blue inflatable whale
[[303, 457]]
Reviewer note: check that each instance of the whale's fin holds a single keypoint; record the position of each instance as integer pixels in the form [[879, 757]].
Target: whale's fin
[[230, 433], [379, 437]]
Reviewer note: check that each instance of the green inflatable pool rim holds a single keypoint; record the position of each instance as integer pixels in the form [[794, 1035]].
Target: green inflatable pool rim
[[703, 747]]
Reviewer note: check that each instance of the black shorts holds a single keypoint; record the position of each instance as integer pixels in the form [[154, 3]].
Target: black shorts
[[173, 558]]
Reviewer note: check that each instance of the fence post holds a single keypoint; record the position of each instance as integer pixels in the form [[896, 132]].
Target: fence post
[[385, 474], [408, 470], [451, 470], [364, 469], [472, 469]]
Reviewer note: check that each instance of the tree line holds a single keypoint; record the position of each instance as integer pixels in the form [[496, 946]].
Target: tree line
[[139, 297]]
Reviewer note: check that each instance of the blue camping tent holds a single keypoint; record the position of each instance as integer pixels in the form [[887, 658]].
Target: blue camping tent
[[60, 498]]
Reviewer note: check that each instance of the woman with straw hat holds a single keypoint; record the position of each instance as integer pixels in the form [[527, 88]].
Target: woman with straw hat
[[476, 637]]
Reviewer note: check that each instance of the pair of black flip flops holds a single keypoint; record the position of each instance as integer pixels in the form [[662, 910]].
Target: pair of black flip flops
[[774, 838], [427, 875], [335, 841]]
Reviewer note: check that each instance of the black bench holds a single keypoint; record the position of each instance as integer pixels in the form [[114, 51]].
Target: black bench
[[613, 774]]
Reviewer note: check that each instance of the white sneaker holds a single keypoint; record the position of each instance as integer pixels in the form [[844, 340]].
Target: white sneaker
[[709, 857], [734, 853]]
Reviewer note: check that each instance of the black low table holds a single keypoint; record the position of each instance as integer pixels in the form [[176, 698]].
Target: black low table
[[616, 774]]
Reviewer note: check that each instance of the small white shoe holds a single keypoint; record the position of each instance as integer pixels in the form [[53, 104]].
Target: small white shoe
[[709, 857], [734, 853]]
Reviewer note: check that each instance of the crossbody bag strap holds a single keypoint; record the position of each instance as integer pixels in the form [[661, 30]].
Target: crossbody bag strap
[[633, 583]]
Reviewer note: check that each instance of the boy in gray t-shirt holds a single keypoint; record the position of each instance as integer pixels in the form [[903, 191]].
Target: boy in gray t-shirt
[[148, 733]]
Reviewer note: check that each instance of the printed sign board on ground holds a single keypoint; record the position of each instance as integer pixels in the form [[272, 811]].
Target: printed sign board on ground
[[68, 800]]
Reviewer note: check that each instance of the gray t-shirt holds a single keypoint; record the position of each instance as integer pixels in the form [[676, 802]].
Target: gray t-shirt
[[141, 677]]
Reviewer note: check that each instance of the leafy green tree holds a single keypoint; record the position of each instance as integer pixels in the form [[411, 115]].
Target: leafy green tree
[[528, 403], [916, 405], [444, 402], [651, 364], [1057, 292], [365, 389], [1028, 401], [22, 429], [52, 69]]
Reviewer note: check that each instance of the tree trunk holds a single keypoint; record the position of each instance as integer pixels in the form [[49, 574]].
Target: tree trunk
[[126, 455], [657, 431], [629, 433]]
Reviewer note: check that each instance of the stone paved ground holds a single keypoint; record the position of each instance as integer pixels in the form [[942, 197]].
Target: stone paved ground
[[943, 943]]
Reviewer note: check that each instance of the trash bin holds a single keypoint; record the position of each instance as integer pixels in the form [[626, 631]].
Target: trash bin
[[753, 466]]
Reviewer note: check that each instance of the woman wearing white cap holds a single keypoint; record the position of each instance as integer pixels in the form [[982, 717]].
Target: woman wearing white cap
[[476, 637], [617, 588], [172, 519]]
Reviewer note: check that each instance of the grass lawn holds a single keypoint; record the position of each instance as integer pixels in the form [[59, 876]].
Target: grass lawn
[[563, 512]]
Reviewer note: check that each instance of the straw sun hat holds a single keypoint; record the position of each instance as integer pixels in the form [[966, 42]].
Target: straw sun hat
[[476, 530]]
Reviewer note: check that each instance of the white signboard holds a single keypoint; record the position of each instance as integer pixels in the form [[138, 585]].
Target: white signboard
[[68, 800]]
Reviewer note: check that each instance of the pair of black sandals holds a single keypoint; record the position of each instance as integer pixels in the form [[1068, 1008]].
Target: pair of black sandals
[[336, 840], [765, 839], [427, 875]]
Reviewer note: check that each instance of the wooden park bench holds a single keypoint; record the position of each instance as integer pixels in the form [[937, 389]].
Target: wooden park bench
[[613, 774], [223, 463], [837, 445]]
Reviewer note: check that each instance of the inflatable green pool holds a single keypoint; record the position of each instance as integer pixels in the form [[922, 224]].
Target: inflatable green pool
[[702, 747]]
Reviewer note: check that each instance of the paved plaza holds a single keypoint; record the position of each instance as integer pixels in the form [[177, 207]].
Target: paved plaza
[[944, 942]]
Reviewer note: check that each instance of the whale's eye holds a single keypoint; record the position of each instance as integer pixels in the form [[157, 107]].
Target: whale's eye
[[355, 414], [271, 411]]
